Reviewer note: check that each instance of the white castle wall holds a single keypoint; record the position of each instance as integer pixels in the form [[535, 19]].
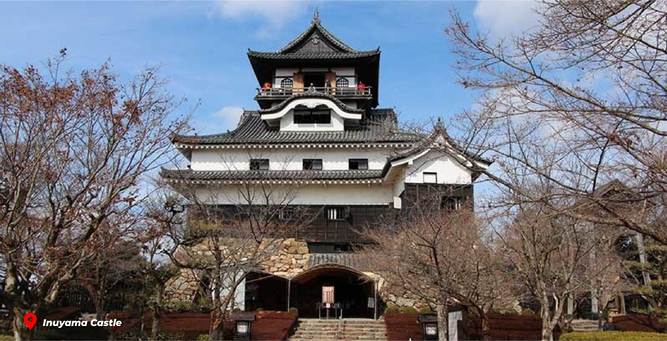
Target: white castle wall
[[448, 169], [284, 159], [304, 195]]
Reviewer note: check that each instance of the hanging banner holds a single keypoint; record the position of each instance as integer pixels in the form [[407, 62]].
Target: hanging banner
[[328, 295]]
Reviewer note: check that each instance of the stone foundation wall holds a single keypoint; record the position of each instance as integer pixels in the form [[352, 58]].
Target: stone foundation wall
[[289, 259], [184, 286]]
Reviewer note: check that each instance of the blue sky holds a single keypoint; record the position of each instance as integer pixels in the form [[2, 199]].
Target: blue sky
[[201, 46]]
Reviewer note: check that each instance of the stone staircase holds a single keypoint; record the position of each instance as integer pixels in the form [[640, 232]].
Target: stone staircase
[[585, 325], [342, 330]]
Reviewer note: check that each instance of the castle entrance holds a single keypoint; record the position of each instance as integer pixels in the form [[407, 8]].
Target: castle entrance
[[333, 291]]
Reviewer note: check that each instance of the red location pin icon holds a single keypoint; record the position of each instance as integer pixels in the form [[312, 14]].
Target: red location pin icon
[[30, 319]]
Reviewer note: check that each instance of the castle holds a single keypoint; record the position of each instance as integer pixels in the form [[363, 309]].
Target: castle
[[319, 128]]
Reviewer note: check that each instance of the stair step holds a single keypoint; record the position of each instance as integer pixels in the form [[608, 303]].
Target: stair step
[[339, 330]]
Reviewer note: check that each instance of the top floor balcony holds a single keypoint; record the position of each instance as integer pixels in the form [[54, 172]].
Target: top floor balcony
[[355, 93]]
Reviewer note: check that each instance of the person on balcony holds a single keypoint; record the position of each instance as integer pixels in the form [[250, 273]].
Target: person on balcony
[[361, 87], [327, 86], [266, 87]]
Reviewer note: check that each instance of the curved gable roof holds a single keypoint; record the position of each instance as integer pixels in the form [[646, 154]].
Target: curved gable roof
[[311, 93], [315, 29]]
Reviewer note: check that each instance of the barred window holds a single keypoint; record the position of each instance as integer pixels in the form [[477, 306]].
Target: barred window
[[450, 203], [342, 82], [335, 213], [287, 83]]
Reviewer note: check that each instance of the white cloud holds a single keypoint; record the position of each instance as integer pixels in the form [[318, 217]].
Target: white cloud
[[505, 18], [274, 12], [229, 116]]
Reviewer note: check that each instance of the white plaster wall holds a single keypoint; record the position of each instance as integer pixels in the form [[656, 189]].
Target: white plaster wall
[[284, 159], [312, 103], [397, 189], [286, 72], [304, 195], [287, 124], [449, 170], [343, 71]]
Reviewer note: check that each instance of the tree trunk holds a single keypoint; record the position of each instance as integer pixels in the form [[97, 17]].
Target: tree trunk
[[486, 330], [21, 332], [547, 331], [217, 326], [443, 322], [155, 327], [100, 308], [157, 311]]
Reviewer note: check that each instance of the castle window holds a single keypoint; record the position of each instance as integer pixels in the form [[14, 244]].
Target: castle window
[[342, 82], [430, 178], [450, 203], [287, 83], [259, 164], [312, 164], [358, 164], [286, 214], [312, 116], [335, 213]]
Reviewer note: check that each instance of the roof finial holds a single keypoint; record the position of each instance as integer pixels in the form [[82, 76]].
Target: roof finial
[[316, 16]]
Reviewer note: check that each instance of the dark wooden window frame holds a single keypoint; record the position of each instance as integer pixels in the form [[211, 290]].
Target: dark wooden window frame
[[259, 164], [342, 82], [314, 116], [335, 213], [430, 173], [358, 164], [287, 83], [312, 164]]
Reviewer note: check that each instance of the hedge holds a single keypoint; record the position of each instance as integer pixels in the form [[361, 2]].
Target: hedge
[[613, 335]]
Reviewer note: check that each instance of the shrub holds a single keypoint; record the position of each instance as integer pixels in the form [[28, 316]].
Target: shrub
[[426, 310], [612, 336], [391, 309], [202, 337], [527, 312], [6, 337], [294, 310], [408, 310]]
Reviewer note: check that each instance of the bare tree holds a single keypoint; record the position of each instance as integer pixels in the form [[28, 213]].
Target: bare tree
[[577, 102], [440, 257], [116, 263], [571, 105], [554, 256], [74, 150]]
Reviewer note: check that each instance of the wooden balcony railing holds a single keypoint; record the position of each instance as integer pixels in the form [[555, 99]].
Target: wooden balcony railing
[[338, 92]]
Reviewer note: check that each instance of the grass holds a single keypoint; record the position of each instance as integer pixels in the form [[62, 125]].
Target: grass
[[613, 336]]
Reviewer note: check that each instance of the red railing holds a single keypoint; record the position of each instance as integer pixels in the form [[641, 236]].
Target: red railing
[[339, 92]]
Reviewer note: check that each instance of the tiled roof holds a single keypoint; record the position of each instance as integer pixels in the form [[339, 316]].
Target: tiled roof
[[311, 93], [350, 260], [427, 141], [316, 25], [379, 126], [299, 47], [188, 174], [313, 55]]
